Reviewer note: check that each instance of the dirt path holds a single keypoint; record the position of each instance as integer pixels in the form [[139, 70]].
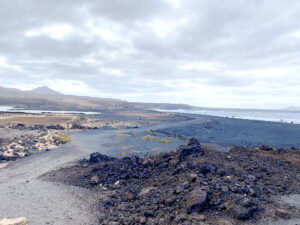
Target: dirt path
[[42, 202], [22, 194]]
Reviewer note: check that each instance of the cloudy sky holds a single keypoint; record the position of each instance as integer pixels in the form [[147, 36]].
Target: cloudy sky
[[202, 52]]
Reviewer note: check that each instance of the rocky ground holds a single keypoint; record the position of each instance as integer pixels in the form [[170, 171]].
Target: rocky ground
[[114, 119], [28, 143], [193, 185], [23, 134]]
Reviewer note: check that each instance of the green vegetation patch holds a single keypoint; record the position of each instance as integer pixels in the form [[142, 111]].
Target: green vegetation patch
[[120, 154], [31, 152], [134, 151], [148, 138], [64, 137], [164, 141], [125, 135]]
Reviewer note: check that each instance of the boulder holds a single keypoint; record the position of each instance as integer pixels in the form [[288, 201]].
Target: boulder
[[196, 200], [97, 158], [193, 142], [186, 150], [242, 208], [17, 221], [128, 196], [265, 148], [196, 218], [282, 213], [94, 180], [207, 168]]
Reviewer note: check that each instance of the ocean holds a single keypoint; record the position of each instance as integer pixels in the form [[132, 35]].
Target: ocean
[[11, 109], [265, 115]]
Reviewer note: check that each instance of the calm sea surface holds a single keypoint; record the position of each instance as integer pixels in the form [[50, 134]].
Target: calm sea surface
[[266, 115], [11, 109]]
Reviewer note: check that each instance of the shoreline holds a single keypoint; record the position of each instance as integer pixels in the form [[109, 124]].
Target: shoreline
[[277, 120], [24, 134], [214, 131], [150, 134]]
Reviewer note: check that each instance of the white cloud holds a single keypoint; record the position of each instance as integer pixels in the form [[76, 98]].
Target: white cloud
[[209, 66], [56, 31], [201, 52]]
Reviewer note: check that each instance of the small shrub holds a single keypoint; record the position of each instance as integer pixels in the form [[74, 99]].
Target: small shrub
[[64, 138], [149, 131], [125, 135], [125, 146], [134, 151], [256, 148], [164, 141], [31, 152], [148, 138], [120, 154]]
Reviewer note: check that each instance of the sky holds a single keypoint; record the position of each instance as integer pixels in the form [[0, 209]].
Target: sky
[[210, 53]]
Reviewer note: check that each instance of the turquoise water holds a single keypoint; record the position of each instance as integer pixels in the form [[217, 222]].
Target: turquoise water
[[264, 115]]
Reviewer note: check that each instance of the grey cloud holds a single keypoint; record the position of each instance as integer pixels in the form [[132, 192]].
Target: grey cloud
[[127, 53]]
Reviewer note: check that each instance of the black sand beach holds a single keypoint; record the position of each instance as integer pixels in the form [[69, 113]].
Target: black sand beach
[[237, 132], [216, 132]]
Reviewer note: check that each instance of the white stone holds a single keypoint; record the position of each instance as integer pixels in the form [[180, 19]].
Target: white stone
[[17, 221]]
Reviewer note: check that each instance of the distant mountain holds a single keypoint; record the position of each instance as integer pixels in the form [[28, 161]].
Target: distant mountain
[[44, 90], [48, 99], [10, 89]]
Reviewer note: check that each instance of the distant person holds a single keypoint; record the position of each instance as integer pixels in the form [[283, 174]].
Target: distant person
[[281, 120], [292, 122]]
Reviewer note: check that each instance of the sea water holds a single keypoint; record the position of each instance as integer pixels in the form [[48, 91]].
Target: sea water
[[265, 115], [11, 109]]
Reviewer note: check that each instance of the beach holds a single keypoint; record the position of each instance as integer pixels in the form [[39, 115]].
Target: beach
[[154, 136]]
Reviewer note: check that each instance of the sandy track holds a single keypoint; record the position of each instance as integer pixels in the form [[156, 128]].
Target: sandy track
[[22, 193], [43, 202]]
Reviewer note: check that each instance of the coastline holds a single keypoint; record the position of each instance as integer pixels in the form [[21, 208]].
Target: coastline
[[161, 133], [24, 134]]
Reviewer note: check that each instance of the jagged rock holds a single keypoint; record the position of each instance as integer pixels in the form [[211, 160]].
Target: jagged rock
[[282, 213], [196, 200], [55, 127], [185, 151], [196, 218], [265, 148], [143, 220], [97, 157], [17, 221], [193, 142], [161, 189], [146, 190], [208, 168], [242, 208], [128, 196], [94, 180]]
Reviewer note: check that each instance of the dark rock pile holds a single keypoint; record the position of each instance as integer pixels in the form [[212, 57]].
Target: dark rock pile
[[189, 186]]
